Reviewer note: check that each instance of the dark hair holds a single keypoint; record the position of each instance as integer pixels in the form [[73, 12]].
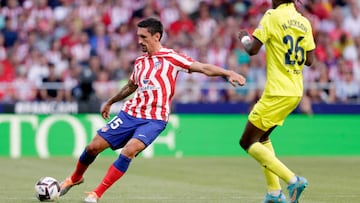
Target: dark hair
[[153, 25]]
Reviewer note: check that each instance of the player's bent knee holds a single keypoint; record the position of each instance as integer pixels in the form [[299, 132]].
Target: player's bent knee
[[94, 148], [130, 151], [244, 144], [132, 148], [97, 145]]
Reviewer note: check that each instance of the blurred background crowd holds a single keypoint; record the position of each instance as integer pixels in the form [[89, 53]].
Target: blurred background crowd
[[83, 50]]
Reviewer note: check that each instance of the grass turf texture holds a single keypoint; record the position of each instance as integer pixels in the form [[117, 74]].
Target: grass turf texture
[[200, 180]]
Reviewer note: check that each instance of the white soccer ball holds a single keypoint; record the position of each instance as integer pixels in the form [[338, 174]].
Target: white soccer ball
[[47, 189]]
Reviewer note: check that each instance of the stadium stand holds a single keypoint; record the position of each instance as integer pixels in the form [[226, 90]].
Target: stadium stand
[[92, 44]]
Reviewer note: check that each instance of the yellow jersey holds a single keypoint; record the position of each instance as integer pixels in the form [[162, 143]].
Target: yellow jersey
[[287, 36]]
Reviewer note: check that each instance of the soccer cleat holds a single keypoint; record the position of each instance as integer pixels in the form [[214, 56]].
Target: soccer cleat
[[67, 184], [91, 198], [296, 189], [275, 199]]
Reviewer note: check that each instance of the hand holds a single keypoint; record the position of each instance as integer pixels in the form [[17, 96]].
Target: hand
[[105, 111], [236, 79], [242, 33]]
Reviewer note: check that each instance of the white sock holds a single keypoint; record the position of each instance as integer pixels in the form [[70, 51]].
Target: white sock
[[293, 180], [274, 193]]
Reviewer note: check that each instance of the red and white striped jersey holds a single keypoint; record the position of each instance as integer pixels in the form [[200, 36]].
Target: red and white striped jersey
[[156, 77]]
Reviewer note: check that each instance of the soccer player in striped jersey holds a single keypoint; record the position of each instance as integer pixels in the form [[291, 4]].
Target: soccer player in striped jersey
[[289, 45], [145, 116]]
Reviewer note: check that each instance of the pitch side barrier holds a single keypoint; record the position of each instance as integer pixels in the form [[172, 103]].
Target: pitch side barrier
[[186, 135], [179, 108]]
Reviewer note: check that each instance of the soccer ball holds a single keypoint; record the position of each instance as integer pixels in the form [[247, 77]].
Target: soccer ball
[[47, 189]]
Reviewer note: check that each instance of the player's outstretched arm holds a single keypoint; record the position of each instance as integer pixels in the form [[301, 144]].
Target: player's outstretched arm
[[212, 70], [124, 92], [252, 46], [310, 55]]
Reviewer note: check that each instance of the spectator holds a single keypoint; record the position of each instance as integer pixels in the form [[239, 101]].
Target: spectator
[[248, 94], [10, 35], [72, 91], [240, 54], [103, 86], [347, 89], [258, 73], [189, 91], [334, 26], [81, 51], [206, 26], [182, 25], [52, 88], [219, 9], [12, 10], [352, 53], [99, 41], [123, 36], [72, 36], [54, 54], [87, 12], [42, 13], [109, 55], [119, 13], [22, 89], [170, 14], [351, 22], [216, 53], [87, 77], [56, 28], [62, 10], [326, 87], [145, 9], [3, 52], [332, 61], [320, 89], [37, 67], [213, 93], [7, 75]]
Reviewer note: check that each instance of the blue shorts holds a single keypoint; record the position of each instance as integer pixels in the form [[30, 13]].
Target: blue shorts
[[123, 127]]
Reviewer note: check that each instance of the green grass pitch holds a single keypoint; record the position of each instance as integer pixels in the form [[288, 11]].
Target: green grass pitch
[[185, 180]]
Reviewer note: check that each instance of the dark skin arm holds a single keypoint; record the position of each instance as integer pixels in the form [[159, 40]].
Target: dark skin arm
[[127, 90], [253, 47], [310, 55]]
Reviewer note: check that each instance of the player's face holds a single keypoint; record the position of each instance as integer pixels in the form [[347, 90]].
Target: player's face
[[145, 39]]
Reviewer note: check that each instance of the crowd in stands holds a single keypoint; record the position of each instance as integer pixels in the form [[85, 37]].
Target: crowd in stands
[[70, 50]]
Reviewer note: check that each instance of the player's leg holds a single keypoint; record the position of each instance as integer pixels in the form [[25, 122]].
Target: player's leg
[[251, 138], [263, 155], [272, 180], [267, 159], [96, 146], [269, 112], [144, 135], [118, 168], [274, 193]]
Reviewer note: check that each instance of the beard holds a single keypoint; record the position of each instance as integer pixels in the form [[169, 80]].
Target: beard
[[143, 48]]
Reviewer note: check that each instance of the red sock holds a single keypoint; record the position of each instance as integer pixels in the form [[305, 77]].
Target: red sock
[[79, 172], [112, 175]]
